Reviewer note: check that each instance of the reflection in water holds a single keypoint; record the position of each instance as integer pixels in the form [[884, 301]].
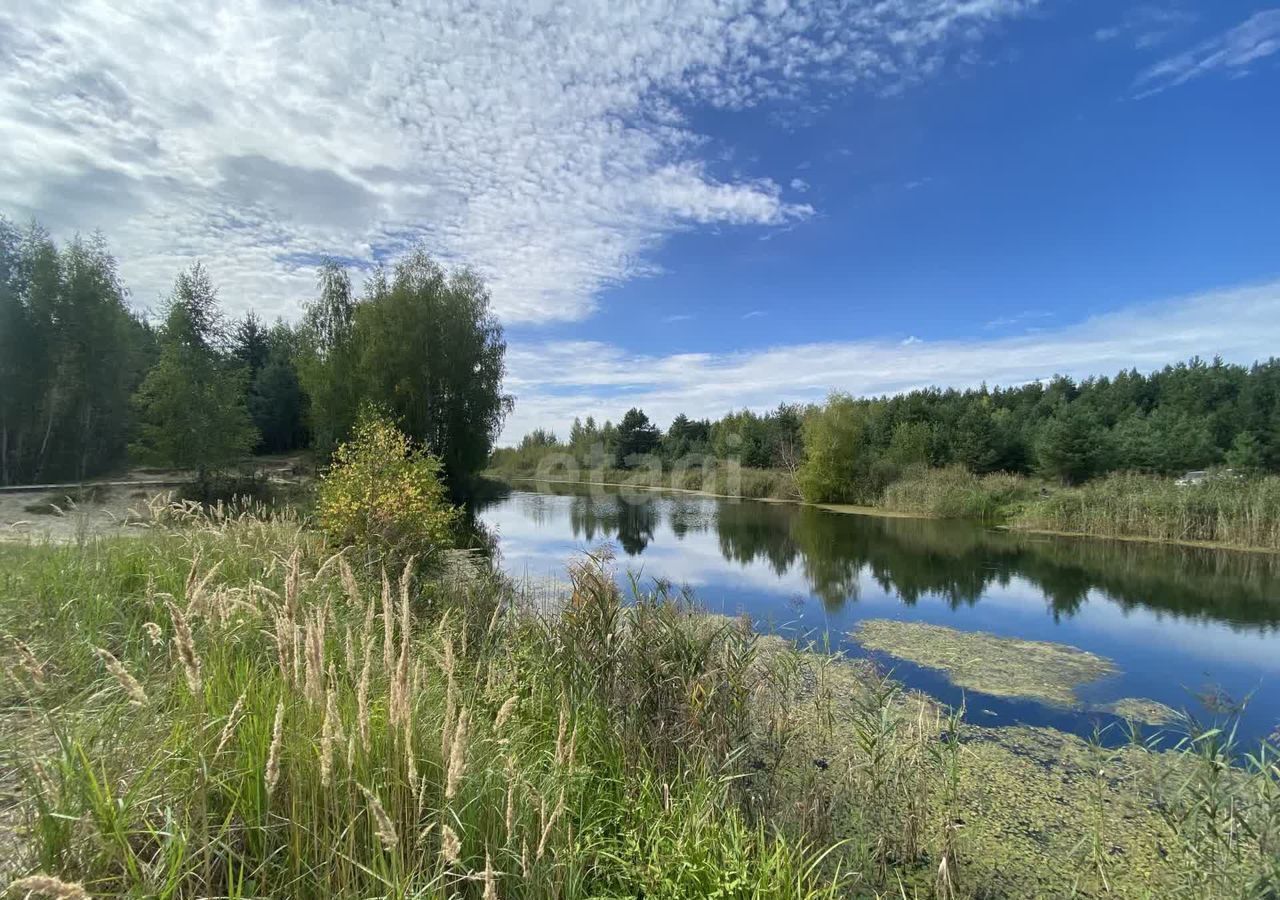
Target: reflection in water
[[614, 518], [914, 558], [1173, 619]]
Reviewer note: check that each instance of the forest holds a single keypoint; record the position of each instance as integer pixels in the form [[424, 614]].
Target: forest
[[89, 384], [1187, 416]]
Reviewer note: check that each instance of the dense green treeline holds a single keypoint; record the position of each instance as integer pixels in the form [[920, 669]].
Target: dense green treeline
[[87, 385], [1192, 415], [71, 356], [771, 440]]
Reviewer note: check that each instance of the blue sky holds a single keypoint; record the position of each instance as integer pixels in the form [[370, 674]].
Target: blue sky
[[1027, 192], [692, 205]]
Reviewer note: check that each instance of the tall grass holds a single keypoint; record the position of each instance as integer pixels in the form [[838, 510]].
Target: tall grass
[[956, 493], [226, 708], [1235, 512]]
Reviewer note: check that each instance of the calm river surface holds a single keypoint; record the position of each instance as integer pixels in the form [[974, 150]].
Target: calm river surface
[[1179, 623]]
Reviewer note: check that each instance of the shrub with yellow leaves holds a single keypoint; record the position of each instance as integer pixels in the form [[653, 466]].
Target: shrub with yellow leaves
[[384, 496]]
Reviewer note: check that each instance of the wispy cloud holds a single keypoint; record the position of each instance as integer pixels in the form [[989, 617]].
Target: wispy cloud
[[799, 184], [1232, 53], [754, 314], [549, 151], [678, 317], [555, 381], [1020, 318], [1149, 25]]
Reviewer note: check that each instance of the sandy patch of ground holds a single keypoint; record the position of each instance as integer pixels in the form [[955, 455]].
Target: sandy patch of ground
[[110, 506]]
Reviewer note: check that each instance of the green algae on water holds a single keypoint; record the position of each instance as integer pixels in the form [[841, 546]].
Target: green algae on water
[[1141, 709], [1001, 666]]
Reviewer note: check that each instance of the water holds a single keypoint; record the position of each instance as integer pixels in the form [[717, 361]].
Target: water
[[1181, 624]]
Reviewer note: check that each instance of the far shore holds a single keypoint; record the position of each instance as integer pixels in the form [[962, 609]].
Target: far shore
[[859, 510]]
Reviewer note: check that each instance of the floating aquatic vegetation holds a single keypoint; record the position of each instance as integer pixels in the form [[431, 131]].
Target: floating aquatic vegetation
[[1005, 667], [1141, 709]]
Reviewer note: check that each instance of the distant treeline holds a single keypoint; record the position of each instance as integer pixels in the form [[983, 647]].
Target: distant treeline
[[1192, 415], [88, 384]]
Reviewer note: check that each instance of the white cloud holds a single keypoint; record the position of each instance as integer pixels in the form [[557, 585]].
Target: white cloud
[[555, 381], [1232, 53], [543, 143], [1149, 25], [799, 184], [1018, 319]]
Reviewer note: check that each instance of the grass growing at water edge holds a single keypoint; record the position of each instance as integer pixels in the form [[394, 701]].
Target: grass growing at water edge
[[227, 708]]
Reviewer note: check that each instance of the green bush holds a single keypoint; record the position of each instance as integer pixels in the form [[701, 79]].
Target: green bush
[[384, 496]]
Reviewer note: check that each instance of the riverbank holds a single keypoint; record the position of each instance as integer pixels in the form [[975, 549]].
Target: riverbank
[[1238, 515], [449, 738]]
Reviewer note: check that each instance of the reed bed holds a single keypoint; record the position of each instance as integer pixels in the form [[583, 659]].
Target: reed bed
[[1234, 512], [956, 493], [225, 707]]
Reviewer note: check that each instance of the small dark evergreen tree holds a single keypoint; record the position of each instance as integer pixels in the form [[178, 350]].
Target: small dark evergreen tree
[[192, 402], [1071, 446], [277, 403], [636, 437]]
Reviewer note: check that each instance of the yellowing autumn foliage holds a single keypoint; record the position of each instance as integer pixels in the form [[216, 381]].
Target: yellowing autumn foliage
[[385, 496]]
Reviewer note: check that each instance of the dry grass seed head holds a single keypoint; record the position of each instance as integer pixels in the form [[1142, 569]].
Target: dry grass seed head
[[382, 824], [28, 660], [48, 886], [450, 846], [154, 633], [330, 731], [273, 755], [490, 880], [349, 584], [457, 757], [551, 822], [133, 690], [186, 647], [232, 719], [505, 712]]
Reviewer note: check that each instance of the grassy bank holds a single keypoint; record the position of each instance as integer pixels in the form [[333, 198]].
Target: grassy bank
[[1229, 513], [1233, 513], [955, 493], [223, 708]]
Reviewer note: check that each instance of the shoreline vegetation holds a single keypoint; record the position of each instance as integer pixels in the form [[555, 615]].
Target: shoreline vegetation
[[1189, 453], [225, 706], [1229, 514]]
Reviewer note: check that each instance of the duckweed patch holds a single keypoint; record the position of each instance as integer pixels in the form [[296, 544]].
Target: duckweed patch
[[1141, 709], [1004, 667]]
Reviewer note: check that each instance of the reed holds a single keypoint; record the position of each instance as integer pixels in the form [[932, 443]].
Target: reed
[[612, 744], [1234, 512], [956, 493]]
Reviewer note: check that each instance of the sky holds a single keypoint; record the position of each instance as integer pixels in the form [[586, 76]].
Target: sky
[[692, 205]]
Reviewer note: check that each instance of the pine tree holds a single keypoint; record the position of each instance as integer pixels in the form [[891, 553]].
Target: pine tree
[[192, 402]]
